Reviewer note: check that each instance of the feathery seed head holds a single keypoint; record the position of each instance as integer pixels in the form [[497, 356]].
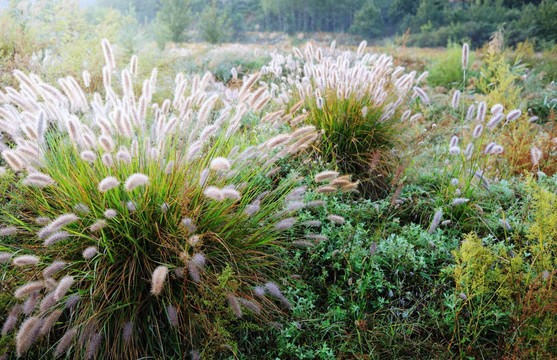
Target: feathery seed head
[[336, 219], [9, 324], [234, 305], [39, 180], [172, 315], [27, 334], [199, 260], [220, 164], [26, 260], [28, 288], [92, 346], [497, 108], [88, 155], [478, 130], [260, 291], [194, 240], [303, 244], [82, 208], [422, 94], [285, 223], [495, 120], [8, 231], [231, 194], [326, 175], [470, 112], [459, 201], [497, 149], [72, 301], [48, 302], [65, 342], [436, 220], [90, 252], [454, 150], [124, 155], [107, 160], [130, 205], [110, 213], [311, 223], [30, 304], [465, 55], [127, 331], [454, 141], [158, 278], [188, 224], [63, 286], [108, 55], [55, 237], [53, 268], [5, 257], [135, 181], [250, 305], [536, 155], [106, 143], [513, 115], [415, 117], [98, 225], [86, 78], [455, 100], [214, 193], [480, 116], [49, 321], [489, 148]]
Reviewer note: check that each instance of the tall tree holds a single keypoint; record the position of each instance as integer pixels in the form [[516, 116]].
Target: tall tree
[[368, 21], [176, 17], [215, 27]]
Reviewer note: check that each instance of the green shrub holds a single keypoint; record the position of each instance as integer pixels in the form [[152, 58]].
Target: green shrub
[[364, 292]]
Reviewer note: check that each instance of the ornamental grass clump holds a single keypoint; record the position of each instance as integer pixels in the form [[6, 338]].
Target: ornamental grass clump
[[357, 101], [154, 222], [470, 160]]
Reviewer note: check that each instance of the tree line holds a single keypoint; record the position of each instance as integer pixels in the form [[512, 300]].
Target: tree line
[[427, 22]]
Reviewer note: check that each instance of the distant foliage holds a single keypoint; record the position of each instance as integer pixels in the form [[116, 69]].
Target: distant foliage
[[215, 28], [175, 17], [368, 22]]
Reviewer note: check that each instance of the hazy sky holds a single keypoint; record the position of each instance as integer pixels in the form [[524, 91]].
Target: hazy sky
[[4, 3]]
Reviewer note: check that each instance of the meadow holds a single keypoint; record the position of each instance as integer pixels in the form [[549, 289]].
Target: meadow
[[300, 198]]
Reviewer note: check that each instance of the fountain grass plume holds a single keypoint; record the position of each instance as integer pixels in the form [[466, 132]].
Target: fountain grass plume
[[185, 169], [356, 100]]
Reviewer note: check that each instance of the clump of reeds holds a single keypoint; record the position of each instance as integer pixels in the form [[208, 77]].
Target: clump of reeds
[[143, 207]]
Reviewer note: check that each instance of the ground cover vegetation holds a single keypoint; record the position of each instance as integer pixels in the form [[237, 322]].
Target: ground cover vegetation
[[286, 200]]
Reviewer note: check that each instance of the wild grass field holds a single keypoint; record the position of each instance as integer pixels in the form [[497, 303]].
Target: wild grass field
[[299, 199]]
